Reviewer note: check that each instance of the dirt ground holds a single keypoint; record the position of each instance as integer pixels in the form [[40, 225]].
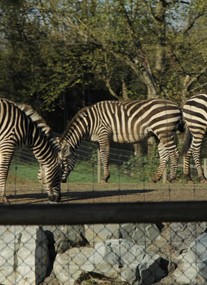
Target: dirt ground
[[109, 192]]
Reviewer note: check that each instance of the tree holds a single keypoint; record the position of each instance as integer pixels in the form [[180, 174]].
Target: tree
[[128, 49], [137, 39]]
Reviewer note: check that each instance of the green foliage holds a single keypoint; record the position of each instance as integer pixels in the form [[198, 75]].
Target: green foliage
[[142, 167], [134, 170], [128, 49]]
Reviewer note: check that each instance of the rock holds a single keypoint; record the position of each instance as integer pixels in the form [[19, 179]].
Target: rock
[[101, 232], [50, 280], [24, 255], [182, 234], [192, 264], [115, 258], [71, 236], [69, 265], [64, 237], [142, 234], [128, 261]]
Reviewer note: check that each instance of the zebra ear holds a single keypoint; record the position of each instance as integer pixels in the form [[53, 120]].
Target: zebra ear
[[65, 151], [83, 115]]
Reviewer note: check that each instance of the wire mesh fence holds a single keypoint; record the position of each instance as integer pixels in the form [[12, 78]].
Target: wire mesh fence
[[130, 179], [131, 253], [126, 245]]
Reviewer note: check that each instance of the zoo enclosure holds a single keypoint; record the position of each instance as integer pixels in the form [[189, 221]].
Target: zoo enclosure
[[104, 242], [148, 221]]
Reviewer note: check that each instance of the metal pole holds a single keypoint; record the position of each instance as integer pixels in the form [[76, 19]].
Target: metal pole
[[98, 166]]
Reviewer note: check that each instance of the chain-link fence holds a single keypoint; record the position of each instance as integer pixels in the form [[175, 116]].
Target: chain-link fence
[[118, 243], [130, 179], [130, 253], [112, 237]]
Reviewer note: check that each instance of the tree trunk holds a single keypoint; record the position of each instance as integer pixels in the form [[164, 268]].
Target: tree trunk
[[124, 91]]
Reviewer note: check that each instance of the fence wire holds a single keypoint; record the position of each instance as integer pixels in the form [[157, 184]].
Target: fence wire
[[109, 253], [144, 253]]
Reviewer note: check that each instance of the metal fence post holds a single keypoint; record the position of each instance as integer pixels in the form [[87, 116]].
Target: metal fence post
[[98, 166], [164, 176], [205, 167]]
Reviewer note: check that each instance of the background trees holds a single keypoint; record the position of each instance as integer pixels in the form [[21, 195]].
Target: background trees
[[64, 54]]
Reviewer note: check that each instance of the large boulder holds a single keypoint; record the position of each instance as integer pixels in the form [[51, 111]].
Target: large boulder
[[24, 255], [192, 263], [101, 232], [66, 236], [115, 258], [182, 234], [142, 234]]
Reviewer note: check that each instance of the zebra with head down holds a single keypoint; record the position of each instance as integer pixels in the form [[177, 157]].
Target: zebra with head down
[[21, 126], [124, 122]]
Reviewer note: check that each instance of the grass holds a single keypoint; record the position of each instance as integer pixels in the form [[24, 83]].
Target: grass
[[86, 172], [23, 172]]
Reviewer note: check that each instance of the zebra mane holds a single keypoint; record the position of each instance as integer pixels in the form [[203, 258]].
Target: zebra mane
[[35, 117], [41, 124], [80, 114]]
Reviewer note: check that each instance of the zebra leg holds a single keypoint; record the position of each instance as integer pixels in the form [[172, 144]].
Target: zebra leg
[[197, 161], [186, 166], [164, 156], [104, 155], [173, 164], [194, 150], [5, 160]]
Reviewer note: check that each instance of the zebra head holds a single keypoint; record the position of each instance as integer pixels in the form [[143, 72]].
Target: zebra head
[[46, 178], [67, 156]]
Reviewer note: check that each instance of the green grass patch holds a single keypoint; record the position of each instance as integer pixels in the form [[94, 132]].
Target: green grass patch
[[87, 172], [22, 171]]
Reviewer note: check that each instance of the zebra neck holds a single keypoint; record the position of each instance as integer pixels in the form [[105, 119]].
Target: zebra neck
[[44, 150], [74, 138]]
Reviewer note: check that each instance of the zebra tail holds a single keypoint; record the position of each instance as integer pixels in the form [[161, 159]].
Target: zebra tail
[[182, 126], [187, 141]]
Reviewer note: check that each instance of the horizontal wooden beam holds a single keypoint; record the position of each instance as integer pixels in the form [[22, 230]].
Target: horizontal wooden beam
[[102, 213]]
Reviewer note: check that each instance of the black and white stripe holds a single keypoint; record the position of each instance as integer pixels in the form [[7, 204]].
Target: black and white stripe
[[124, 122], [21, 126], [195, 117]]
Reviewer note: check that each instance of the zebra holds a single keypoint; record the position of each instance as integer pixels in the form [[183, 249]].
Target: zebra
[[195, 119], [124, 122], [21, 126]]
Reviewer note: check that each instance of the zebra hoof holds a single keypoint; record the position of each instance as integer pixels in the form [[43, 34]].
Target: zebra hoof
[[203, 181], [104, 181], [155, 180], [54, 199], [171, 180], [4, 200], [52, 202]]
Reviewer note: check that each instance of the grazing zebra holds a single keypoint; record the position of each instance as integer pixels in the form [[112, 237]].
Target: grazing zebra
[[21, 126], [124, 122], [195, 117]]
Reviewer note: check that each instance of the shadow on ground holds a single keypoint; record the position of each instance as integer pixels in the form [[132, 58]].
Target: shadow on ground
[[67, 197]]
